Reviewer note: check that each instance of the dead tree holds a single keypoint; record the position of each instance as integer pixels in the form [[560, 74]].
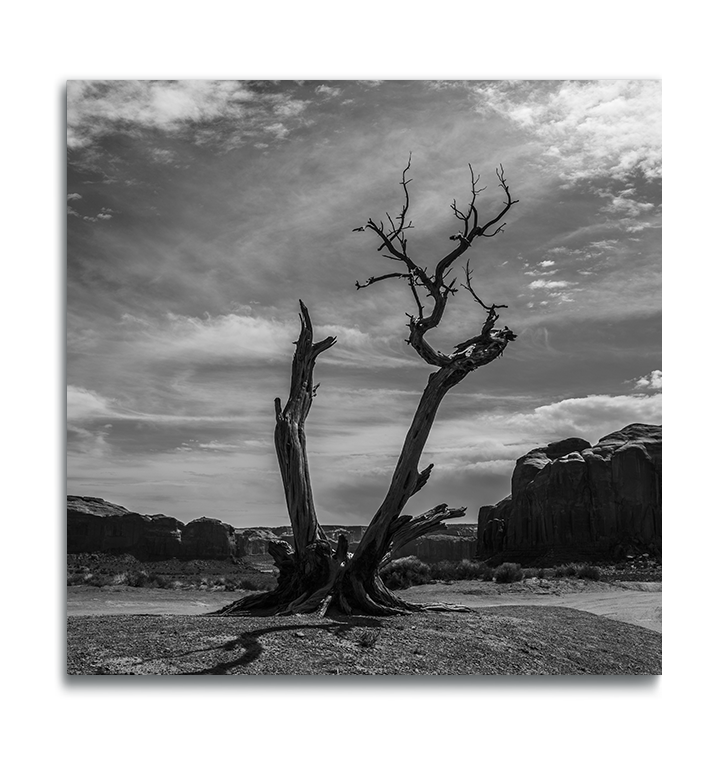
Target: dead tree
[[313, 573]]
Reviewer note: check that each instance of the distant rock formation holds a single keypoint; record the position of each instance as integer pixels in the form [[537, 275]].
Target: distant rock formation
[[206, 538], [255, 540], [573, 500], [97, 526], [440, 548]]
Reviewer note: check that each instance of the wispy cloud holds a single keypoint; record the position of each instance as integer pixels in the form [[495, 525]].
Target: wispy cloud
[[589, 417], [86, 404], [247, 339], [585, 129], [222, 111], [627, 204], [328, 91], [550, 284], [651, 381]]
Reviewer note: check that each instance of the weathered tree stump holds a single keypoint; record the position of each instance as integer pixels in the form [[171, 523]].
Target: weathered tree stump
[[314, 575]]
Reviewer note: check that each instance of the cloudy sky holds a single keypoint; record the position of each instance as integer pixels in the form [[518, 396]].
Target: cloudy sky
[[199, 212]]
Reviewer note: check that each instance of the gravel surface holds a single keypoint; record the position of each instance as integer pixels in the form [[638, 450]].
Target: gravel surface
[[506, 641]]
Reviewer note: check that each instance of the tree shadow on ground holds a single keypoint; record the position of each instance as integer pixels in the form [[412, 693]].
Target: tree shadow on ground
[[340, 626]]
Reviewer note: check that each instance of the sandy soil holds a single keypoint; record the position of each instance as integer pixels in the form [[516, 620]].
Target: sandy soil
[[630, 602], [634, 602], [125, 600]]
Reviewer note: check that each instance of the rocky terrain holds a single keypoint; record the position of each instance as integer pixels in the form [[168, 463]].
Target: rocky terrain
[[503, 640], [571, 500], [117, 571], [95, 526]]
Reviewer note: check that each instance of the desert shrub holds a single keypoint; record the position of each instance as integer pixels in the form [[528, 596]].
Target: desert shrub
[[160, 581], [99, 581], [405, 572], [78, 578], [471, 570], [137, 578], [149, 580], [588, 571], [535, 572], [260, 583], [575, 570], [465, 569], [443, 571], [508, 572]]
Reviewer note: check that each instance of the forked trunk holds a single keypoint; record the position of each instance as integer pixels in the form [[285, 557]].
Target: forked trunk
[[312, 574]]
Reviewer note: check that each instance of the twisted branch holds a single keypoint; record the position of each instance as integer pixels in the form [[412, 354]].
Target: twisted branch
[[438, 288]]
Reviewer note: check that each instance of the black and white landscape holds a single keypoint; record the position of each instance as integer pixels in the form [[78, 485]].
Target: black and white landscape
[[466, 277]]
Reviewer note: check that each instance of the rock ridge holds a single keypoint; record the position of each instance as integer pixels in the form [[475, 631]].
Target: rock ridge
[[573, 499], [97, 526]]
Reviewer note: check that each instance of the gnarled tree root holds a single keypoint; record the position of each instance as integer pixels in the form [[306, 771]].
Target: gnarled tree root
[[347, 598], [319, 584]]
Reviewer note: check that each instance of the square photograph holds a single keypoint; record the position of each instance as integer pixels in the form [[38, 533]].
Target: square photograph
[[364, 377]]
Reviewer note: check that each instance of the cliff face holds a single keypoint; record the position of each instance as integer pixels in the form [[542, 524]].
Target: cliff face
[[209, 539], [97, 526], [573, 499], [439, 548], [255, 541]]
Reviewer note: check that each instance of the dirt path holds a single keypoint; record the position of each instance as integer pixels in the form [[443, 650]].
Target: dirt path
[[635, 603], [125, 600]]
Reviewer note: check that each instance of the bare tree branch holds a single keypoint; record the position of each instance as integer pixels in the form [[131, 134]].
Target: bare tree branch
[[314, 576], [406, 528], [468, 287], [372, 280]]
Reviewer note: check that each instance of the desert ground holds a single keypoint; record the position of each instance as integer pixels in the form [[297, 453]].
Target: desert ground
[[536, 626], [635, 602]]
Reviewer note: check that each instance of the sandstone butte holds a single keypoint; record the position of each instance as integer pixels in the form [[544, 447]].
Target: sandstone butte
[[97, 526], [573, 501], [569, 501]]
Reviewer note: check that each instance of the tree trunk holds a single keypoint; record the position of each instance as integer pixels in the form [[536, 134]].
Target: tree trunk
[[359, 585], [312, 574], [309, 565]]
